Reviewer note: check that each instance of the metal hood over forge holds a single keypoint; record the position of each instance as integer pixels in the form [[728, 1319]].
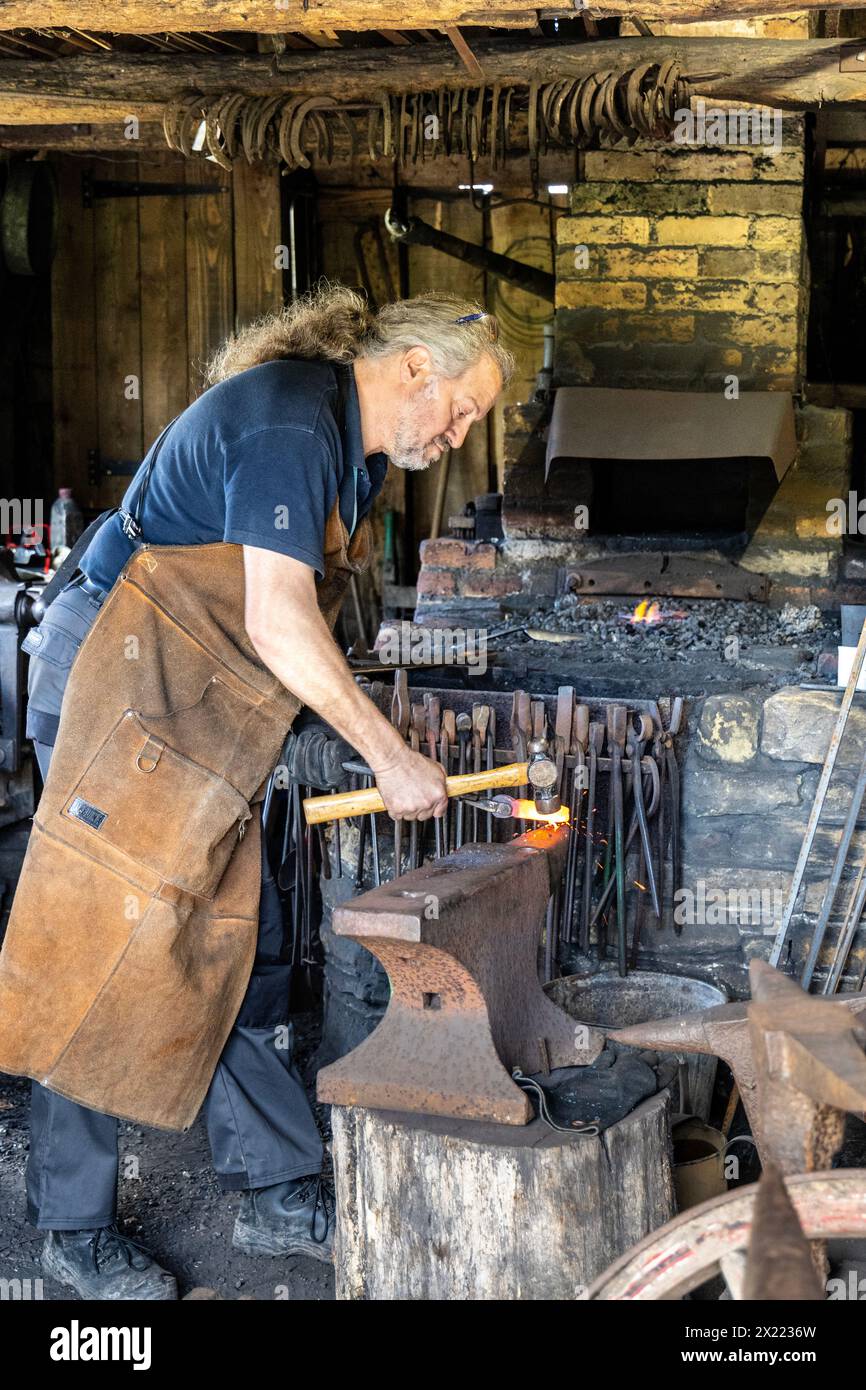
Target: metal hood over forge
[[688, 468], [593, 422]]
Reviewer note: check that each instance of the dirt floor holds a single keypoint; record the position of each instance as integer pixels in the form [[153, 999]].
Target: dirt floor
[[174, 1208]]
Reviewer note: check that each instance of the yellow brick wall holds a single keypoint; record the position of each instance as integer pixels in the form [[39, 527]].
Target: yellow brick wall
[[680, 264]]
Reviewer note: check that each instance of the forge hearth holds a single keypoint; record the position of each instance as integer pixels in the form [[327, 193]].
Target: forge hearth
[[698, 647], [694, 644], [789, 556]]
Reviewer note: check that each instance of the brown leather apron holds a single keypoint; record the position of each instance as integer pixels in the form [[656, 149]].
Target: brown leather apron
[[133, 930]]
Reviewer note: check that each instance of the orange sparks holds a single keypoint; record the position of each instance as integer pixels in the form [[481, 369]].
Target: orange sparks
[[647, 612], [527, 810]]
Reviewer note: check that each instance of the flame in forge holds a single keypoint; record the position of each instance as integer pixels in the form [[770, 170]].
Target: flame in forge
[[527, 810], [647, 612]]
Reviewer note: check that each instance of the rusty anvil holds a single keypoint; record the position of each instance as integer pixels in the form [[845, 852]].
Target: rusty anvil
[[797, 1059], [459, 940]]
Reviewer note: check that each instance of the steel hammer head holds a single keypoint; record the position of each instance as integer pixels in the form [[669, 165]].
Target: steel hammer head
[[541, 772]]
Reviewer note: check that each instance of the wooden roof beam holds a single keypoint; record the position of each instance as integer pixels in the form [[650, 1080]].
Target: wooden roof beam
[[794, 75], [265, 16]]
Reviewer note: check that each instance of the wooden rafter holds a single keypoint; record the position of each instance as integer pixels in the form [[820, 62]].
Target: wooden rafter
[[790, 74], [464, 52]]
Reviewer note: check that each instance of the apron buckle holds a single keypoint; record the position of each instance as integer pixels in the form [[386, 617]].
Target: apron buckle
[[129, 524], [149, 754]]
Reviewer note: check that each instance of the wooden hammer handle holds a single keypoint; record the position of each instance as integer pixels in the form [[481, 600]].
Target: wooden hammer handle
[[339, 805]]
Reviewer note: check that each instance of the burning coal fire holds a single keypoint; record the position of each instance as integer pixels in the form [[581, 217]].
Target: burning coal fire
[[647, 612]]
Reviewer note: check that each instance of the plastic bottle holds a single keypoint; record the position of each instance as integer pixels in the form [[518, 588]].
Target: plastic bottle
[[67, 522]]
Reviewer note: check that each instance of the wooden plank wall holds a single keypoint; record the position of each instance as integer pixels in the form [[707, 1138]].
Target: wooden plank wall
[[521, 229], [144, 289]]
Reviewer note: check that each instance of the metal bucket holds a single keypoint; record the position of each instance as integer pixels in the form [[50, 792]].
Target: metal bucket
[[609, 1002], [699, 1163]]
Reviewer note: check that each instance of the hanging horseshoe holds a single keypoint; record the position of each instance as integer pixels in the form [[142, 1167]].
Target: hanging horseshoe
[[299, 115], [506, 123], [387, 127], [351, 130], [267, 109], [415, 128], [596, 111], [475, 131], [544, 95], [571, 117], [633, 91], [226, 111], [170, 121], [463, 142], [441, 105], [311, 108], [401, 131], [611, 111], [324, 136], [666, 72], [494, 126], [188, 128], [212, 139], [556, 110], [227, 120], [533, 121], [454, 119], [588, 89], [372, 129], [283, 128], [248, 118]]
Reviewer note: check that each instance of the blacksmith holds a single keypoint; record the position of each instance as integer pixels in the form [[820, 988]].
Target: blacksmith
[[141, 976]]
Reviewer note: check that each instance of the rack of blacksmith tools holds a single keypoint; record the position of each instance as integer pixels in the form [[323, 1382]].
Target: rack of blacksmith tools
[[617, 779]]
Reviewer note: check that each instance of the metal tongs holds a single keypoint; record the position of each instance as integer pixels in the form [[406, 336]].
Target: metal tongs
[[503, 807]]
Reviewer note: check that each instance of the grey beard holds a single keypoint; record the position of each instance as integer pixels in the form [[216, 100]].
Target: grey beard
[[411, 460], [408, 453]]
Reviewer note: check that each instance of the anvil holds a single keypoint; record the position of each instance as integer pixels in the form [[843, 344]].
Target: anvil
[[459, 940], [797, 1059]]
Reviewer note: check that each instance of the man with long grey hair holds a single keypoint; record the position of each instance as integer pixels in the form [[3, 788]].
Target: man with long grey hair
[[281, 457]]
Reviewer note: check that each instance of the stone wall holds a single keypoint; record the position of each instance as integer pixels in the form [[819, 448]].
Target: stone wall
[[750, 769], [795, 544]]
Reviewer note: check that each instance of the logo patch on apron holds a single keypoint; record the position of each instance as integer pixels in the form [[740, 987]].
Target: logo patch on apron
[[90, 815]]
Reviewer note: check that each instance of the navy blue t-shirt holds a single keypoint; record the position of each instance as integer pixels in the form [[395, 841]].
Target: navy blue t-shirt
[[256, 460]]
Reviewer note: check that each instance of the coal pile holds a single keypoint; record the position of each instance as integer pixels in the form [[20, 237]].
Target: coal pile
[[790, 639]]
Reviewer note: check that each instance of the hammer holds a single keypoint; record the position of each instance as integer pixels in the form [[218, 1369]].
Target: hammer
[[539, 771]]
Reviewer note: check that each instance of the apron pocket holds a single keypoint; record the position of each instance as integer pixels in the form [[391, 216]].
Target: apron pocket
[[160, 808]]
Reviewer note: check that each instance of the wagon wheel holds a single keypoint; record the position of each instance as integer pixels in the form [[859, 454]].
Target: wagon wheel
[[689, 1250], [28, 217]]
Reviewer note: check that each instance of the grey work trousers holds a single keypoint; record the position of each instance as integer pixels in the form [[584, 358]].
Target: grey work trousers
[[259, 1123]]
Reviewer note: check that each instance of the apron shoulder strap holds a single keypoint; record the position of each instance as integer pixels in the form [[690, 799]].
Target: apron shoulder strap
[[132, 520], [67, 569]]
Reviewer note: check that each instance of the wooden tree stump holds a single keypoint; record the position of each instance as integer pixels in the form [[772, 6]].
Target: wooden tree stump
[[431, 1208]]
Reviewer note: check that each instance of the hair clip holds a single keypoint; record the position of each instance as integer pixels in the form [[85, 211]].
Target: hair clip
[[471, 318]]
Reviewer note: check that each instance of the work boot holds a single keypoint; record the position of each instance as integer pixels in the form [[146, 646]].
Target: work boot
[[103, 1264], [288, 1218]]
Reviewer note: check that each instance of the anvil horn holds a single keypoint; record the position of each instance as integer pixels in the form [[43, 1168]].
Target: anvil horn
[[682, 1034]]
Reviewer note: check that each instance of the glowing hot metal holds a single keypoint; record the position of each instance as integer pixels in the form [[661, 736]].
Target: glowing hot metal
[[516, 808]]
